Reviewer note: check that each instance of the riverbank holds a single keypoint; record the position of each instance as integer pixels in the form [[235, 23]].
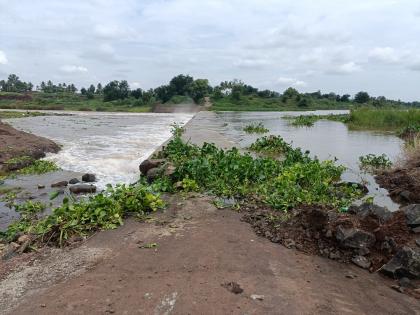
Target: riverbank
[[194, 257], [15, 144]]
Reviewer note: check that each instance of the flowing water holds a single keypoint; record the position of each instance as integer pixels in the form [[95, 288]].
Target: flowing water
[[110, 145], [326, 140]]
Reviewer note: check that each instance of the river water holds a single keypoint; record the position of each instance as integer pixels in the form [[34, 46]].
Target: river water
[[326, 140], [112, 145]]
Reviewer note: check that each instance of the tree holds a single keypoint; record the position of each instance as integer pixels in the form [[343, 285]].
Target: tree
[[137, 93], [180, 85], [199, 89], [116, 90], [362, 97], [163, 93], [345, 98], [303, 102], [99, 89], [83, 91], [290, 93]]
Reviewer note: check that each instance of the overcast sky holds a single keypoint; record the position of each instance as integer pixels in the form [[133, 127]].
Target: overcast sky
[[331, 45]]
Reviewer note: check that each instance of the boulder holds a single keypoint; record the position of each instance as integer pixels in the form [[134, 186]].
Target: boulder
[[169, 170], [83, 189], [412, 215], [148, 164], [354, 238], [74, 181], [405, 263], [367, 209], [63, 183], [405, 195], [89, 178], [153, 173], [361, 262]]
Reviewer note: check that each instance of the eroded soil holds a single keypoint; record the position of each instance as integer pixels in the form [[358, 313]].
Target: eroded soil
[[182, 262]]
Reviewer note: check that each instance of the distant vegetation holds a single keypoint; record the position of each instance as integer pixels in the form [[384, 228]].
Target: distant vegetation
[[255, 128], [228, 95]]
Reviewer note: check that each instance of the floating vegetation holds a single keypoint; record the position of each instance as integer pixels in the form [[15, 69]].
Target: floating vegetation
[[255, 128]]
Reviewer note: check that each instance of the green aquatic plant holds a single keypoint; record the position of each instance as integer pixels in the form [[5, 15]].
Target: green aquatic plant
[[309, 120], [375, 162], [39, 167], [255, 128], [284, 184], [83, 217]]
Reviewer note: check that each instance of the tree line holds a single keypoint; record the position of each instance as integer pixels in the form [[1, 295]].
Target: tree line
[[197, 89]]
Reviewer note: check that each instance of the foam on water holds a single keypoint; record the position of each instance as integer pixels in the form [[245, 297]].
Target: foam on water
[[111, 145]]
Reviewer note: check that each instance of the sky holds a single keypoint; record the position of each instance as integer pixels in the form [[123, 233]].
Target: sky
[[328, 45]]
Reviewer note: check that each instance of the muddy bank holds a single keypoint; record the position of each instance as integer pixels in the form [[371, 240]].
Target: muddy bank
[[403, 183], [15, 143]]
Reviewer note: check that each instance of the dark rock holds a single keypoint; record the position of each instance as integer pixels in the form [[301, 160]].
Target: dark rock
[[416, 230], [74, 181], [364, 251], [412, 215], [63, 183], [1, 181], [153, 173], [146, 165], [418, 242], [354, 238], [405, 263], [366, 209], [41, 186], [89, 178], [362, 262], [289, 243], [405, 195], [397, 288], [83, 189], [233, 287], [317, 219], [406, 283]]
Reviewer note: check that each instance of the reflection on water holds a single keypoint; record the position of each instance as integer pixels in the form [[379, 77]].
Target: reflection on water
[[111, 145], [326, 140]]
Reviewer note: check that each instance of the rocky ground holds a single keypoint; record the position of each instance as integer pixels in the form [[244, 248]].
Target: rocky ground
[[195, 259]]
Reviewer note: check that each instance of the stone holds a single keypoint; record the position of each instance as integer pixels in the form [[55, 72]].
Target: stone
[[289, 243], [406, 283], [405, 195], [153, 173], [412, 215], [257, 297], [74, 181], [23, 238], [41, 186], [148, 164], [83, 189], [354, 238], [9, 251], [361, 262], [405, 263], [418, 242], [233, 287], [63, 183], [416, 230], [89, 178], [169, 170], [366, 209]]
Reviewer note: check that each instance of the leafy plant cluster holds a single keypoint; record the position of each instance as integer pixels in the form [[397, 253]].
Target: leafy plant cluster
[[39, 167], [375, 162], [255, 128], [309, 120], [283, 184], [102, 211], [409, 132]]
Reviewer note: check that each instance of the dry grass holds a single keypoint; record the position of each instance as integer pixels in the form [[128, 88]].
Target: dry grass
[[411, 152]]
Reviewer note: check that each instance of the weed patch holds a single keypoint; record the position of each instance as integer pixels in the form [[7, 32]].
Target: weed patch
[[256, 128]]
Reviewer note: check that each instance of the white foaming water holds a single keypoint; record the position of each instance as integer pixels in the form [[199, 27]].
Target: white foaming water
[[110, 145]]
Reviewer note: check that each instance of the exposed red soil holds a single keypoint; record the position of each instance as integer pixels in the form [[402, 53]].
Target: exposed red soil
[[308, 230], [202, 261], [21, 97], [15, 143], [401, 180]]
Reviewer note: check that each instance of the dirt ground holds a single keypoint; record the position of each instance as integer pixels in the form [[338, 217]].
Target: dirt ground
[[15, 143], [195, 250]]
